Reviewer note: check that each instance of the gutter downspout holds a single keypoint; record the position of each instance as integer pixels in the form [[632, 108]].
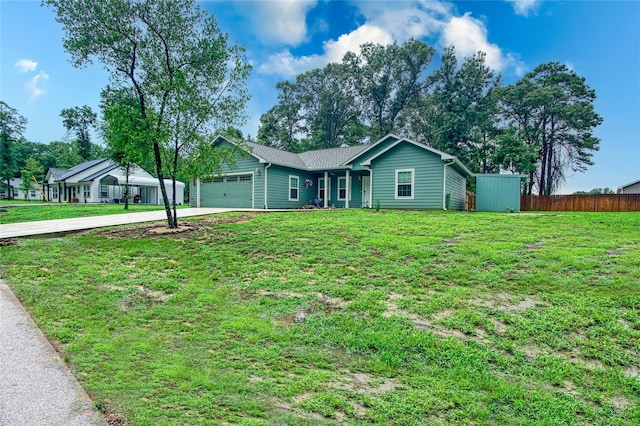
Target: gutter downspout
[[444, 185], [266, 206]]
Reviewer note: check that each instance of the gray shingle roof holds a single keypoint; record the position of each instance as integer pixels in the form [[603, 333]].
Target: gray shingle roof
[[277, 156], [56, 173], [310, 160], [79, 168], [107, 169], [332, 157]]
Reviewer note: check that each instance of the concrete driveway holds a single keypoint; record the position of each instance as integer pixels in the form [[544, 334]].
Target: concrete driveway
[[26, 229]]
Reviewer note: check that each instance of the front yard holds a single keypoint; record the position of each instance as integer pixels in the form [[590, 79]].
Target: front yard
[[347, 317]]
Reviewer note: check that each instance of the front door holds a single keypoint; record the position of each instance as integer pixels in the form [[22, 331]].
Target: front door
[[366, 189]]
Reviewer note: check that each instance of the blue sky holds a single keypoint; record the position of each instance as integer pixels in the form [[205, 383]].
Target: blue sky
[[600, 40]]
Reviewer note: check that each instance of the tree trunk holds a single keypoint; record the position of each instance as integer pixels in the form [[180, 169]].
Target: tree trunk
[[163, 190], [126, 187]]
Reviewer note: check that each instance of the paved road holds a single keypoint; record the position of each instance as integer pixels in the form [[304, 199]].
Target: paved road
[[26, 229]]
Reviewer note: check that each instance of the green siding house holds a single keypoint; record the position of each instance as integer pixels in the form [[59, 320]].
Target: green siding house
[[394, 171]]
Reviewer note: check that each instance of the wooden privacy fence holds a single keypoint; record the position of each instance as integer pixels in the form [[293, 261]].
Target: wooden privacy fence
[[470, 202], [582, 203]]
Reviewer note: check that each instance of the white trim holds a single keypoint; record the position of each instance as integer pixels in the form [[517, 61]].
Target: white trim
[[444, 185], [413, 186], [346, 189], [266, 206], [198, 192], [366, 190], [297, 188], [327, 189]]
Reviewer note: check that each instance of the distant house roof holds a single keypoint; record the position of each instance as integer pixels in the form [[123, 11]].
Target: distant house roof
[[57, 173], [79, 168], [14, 182], [107, 169], [630, 184]]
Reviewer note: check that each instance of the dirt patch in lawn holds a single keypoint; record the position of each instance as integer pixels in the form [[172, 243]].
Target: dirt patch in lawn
[[160, 228], [367, 384], [507, 302]]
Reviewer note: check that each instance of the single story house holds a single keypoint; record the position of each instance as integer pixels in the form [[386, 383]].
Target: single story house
[[16, 191], [103, 181], [393, 172], [630, 188]]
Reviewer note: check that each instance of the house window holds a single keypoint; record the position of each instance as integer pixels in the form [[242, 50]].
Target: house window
[[15, 193], [32, 193], [321, 188], [86, 191], [245, 177], [55, 192], [294, 182], [104, 191], [342, 188], [404, 183], [232, 179]]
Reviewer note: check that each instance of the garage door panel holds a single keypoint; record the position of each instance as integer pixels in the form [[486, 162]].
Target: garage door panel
[[227, 191]]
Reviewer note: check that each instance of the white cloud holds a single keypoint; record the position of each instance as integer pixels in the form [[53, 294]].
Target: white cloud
[[285, 64], [523, 7], [279, 21], [33, 85], [386, 22], [26, 65], [470, 35]]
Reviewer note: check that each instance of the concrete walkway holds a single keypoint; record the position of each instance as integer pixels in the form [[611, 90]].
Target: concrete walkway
[[36, 387], [26, 229]]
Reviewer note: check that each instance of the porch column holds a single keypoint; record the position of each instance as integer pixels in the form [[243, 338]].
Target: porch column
[[347, 191], [198, 192], [326, 193]]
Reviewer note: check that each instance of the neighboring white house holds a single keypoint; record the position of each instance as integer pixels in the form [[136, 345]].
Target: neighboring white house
[[33, 194], [103, 181], [630, 188]]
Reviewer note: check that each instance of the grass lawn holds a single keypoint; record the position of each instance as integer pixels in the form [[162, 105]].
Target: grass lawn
[[42, 211], [348, 317]]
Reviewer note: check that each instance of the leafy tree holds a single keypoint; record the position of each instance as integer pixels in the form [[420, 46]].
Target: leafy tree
[[459, 114], [331, 117], [32, 169], [552, 110], [390, 80], [281, 125], [596, 191], [123, 128], [80, 121], [12, 126], [65, 154], [185, 75]]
